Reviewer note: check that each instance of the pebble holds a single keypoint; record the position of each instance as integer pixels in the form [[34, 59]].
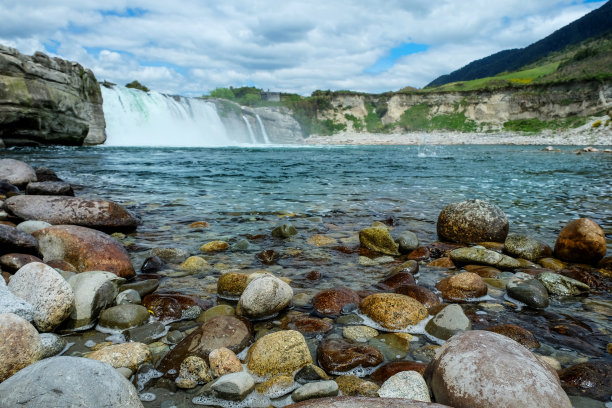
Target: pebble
[[448, 322], [318, 389], [405, 384], [360, 334]]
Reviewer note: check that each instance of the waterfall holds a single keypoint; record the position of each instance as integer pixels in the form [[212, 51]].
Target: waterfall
[[136, 118], [251, 134], [263, 129]]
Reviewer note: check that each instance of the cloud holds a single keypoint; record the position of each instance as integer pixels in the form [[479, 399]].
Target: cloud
[[195, 46]]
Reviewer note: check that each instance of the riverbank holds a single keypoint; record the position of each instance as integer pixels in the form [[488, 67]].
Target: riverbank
[[574, 137]]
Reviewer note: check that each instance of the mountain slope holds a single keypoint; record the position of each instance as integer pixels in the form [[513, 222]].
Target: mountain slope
[[594, 24]]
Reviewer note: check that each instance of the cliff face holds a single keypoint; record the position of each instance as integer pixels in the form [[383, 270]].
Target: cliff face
[[48, 101], [484, 110]]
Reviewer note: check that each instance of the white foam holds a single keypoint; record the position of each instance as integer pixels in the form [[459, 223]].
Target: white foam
[[357, 371], [144, 378], [147, 397]]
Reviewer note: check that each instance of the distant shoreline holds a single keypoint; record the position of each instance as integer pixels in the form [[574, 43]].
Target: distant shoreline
[[601, 137]]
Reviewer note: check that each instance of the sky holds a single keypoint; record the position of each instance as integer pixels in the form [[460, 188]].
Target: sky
[[190, 47]]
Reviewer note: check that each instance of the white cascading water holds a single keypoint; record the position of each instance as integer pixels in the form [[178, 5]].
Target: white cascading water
[[251, 134], [263, 130], [136, 118]]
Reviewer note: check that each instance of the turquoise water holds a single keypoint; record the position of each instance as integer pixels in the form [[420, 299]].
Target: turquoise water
[[336, 191]]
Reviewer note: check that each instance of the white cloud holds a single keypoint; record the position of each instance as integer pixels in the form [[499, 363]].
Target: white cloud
[[194, 46]]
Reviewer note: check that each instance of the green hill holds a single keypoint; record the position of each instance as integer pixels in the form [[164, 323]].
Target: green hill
[[594, 24]]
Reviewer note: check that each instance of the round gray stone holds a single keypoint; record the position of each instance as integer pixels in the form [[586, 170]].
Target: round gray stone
[[405, 384], [124, 316], [407, 242], [448, 322], [31, 226]]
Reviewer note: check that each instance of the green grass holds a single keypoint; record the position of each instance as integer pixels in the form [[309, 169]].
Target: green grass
[[536, 125], [357, 123]]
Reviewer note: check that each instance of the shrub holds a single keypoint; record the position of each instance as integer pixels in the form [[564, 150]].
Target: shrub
[[357, 123], [137, 85], [596, 124]]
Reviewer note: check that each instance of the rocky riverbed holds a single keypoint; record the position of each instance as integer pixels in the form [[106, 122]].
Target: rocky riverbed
[[471, 320]]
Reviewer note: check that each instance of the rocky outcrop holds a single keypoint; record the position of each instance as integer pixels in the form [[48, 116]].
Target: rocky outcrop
[[47, 101]]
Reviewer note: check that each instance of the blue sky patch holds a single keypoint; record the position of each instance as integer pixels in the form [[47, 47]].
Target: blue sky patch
[[51, 46], [127, 12], [387, 61]]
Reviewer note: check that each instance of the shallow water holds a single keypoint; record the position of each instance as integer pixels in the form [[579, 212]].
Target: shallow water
[[336, 191]]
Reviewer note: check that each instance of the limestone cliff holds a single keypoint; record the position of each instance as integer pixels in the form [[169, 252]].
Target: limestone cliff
[[48, 101], [483, 110]]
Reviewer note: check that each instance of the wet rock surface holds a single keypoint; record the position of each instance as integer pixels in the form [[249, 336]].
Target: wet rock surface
[[339, 356], [472, 221]]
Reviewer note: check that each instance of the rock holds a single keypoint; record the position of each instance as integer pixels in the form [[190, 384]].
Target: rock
[[170, 255], [7, 189], [68, 382], [129, 296], [13, 262], [562, 285], [393, 311], [355, 386], [284, 231], [321, 240], [231, 285], [581, 241], [516, 333], [423, 295], [306, 324], [195, 264], [46, 174], [49, 294], [16, 172], [57, 210], [124, 317], [396, 280], [50, 188], [407, 242], [20, 345], [277, 386], [483, 271], [410, 266], [143, 287], [379, 240], [310, 373], [223, 361], [281, 352], [419, 254], [318, 389], [359, 334], [405, 384], [32, 226], [152, 264], [443, 262], [264, 296], [523, 246], [214, 246], [483, 369], [52, 344], [231, 332], [329, 302], [93, 292], [130, 355], [338, 356], [240, 245], [528, 290], [591, 379], [169, 307], [361, 402], [472, 221], [448, 322], [219, 310], [146, 333], [552, 264], [85, 248], [14, 240], [234, 386], [268, 256], [10, 303], [193, 371], [482, 256], [462, 286], [386, 371]]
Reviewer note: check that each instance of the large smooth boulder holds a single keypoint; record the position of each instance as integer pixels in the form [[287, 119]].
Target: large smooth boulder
[[264, 296], [472, 221], [16, 172], [10, 303], [14, 240], [50, 188], [20, 346], [58, 210], [478, 369], [68, 382], [94, 291], [87, 249], [47, 291], [581, 241]]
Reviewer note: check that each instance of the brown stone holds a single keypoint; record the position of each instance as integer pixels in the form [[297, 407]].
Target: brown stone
[[338, 355], [268, 256], [86, 249], [330, 302], [58, 210], [321, 240], [223, 361], [362, 402], [281, 352], [581, 241], [392, 310], [230, 332], [168, 307], [591, 380], [199, 224], [355, 386], [516, 333], [383, 373], [13, 240], [306, 324], [20, 345], [419, 254], [12, 262], [423, 295], [462, 286], [443, 262], [214, 246], [231, 284], [410, 266], [552, 263], [483, 271], [396, 280], [61, 265]]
